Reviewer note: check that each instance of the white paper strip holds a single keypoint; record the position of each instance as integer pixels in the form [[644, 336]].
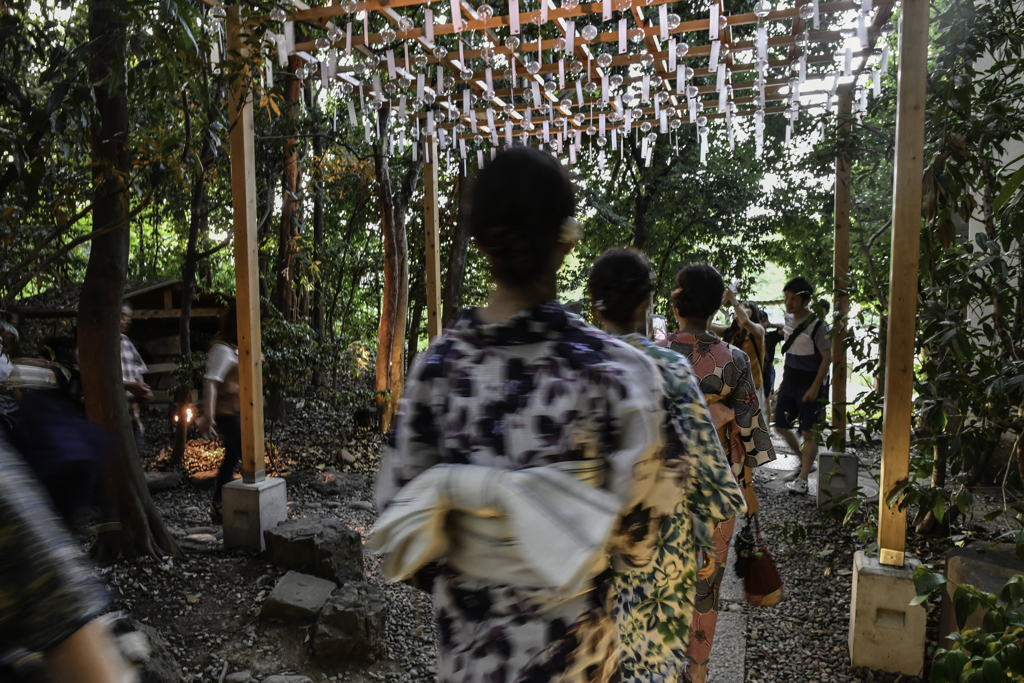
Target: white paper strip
[[628, 123], [457, 24], [693, 110], [605, 89], [348, 39], [508, 132], [866, 6], [803, 68], [536, 94], [282, 50], [547, 132], [465, 101], [439, 88], [561, 73], [570, 37], [713, 25], [419, 87], [472, 121], [490, 118], [622, 35], [366, 131], [862, 32], [720, 79], [332, 60], [885, 59], [366, 27], [615, 139], [704, 149], [848, 62], [664, 122], [428, 25], [789, 134], [401, 111], [723, 99], [762, 42], [680, 79], [289, 36], [817, 15], [352, 112], [489, 77], [645, 89], [430, 123], [480, 158], [513, 17], [325, 75], [376, 89], [671, 54], [391, 64], [606, 10], [663, 21], [462, 147], [579, 93], [601, 124], [543, 11], [442, 138], [269, 80], [876, 84]]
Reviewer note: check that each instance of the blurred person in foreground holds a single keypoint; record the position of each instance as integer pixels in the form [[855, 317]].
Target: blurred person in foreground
[[654, 608], [49, 602], [746, 333], [221, 406], [524, 455], [727, 384]]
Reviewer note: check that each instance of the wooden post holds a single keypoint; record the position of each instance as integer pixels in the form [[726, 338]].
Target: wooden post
[[906, 239], [841, 268], [432, 227], [247, 291]]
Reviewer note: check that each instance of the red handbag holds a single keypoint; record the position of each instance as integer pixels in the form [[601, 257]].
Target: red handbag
[[762, 584]]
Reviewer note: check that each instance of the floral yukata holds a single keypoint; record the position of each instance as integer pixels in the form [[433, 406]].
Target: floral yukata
[[539, 388], [725, 380], [654, 608]]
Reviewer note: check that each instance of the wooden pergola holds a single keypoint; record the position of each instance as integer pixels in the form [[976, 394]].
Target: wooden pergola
[[569, 78]]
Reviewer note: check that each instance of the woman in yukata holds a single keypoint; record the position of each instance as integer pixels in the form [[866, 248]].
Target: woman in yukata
[[654, 609], [521, 386], [726, 382]]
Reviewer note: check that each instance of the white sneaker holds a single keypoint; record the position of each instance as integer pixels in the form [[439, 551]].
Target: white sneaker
[[791, 475], [798, 486]]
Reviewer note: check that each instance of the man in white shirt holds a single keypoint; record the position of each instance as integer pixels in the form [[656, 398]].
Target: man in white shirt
[[801, 397]]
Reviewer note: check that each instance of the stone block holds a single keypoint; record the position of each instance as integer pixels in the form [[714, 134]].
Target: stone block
[[251, 509], [837, 476], [163, 481], [981, 566], [287, 679], [886, 632], [239, 677], [297, 598], [351, 626], [324, 547]]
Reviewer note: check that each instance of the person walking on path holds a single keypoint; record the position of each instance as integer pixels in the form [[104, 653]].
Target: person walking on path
[[221, 405], [746, 333], [726, 382], [518, 390], [772, 339], [654, 608], [803, 393], [132, 370]]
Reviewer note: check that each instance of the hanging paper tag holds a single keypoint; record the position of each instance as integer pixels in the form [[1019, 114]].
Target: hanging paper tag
[[457, 19], [622, 36], [401, 110], [572, 155], [645, 88], [817, 15], [366, 27], [664, 122], [391, 64], [866, 6], [579, 93], [628, 120], [835, 83], [671, 54], [606, 10], [325, 76], [862, 32], [570, 37], [472, 121], [352, 112], [430, 123], [543, 12], [663, 21], [332, 60], [605, 90], [282, 50], [269, 74], [657, 108], [480, 158], [723, 98], [536, 93], [490, 81], [762, 42], [704, 149], [885, 59], [462, 147], [876, 84], [803, 68], [440, 80], [366, 131], [428, 25], [508, 132], [561, 74], [789, 134], [601, 124], [693, 110], [716, 48], [547, 133], [348, 39], [713, 22], [490, 119], [848, 62], [494, 150], [513, 17], [615, 139], [419, 87], [465, 101], [377, 90], [289, 36], [720, 82]]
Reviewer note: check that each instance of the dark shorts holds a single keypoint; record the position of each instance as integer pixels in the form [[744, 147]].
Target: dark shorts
[[790, 405]]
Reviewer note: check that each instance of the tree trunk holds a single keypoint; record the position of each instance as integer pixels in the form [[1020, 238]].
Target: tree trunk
[[285, 294], [141, 530], [395, 296], [318, 251], [414, 332], [455, 271]]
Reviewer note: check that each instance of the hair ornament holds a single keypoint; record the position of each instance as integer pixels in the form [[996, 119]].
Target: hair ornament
[[571, 232], [600, 304]]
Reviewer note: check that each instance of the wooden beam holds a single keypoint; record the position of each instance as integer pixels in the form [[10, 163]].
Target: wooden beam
[[841, 268], [247, 292], [149, 313], [906, 239], [432, 242]]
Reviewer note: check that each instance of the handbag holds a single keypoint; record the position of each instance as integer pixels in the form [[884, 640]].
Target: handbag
[[762, 584]]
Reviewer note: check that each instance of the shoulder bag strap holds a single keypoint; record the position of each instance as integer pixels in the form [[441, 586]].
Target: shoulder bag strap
[[797, 332]]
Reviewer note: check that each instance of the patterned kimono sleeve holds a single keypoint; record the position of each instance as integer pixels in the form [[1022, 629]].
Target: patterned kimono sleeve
[[413, 444], [753, 429], [636, 407], [714, 495]]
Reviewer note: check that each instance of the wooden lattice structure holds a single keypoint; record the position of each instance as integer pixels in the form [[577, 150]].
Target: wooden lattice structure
[[564, 74]]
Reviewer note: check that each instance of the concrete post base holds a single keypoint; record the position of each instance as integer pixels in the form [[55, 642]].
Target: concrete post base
[[251, 509], [886, 632], [837, 476]]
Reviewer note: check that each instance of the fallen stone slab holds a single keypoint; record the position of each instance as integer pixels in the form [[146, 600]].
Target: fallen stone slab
[[163, 481], [297, 598], [351, 626], [200, 543], [203, 480], [288, 679], [200, 530], [323, 547], [239, 677], [981, 566]]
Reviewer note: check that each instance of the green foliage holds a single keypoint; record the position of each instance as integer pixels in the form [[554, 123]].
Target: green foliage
[[992, 652]]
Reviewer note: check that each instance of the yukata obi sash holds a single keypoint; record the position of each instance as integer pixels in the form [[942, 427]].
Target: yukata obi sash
[[543, 527], [724, 419]]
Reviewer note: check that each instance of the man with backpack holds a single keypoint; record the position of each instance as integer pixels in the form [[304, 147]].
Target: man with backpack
[[802, 395]]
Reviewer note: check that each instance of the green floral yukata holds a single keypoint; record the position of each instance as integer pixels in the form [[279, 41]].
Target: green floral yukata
[[654, 608]]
